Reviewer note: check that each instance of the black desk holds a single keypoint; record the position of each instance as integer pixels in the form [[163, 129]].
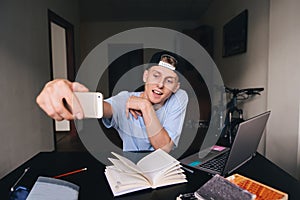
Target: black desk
[[93, 184]]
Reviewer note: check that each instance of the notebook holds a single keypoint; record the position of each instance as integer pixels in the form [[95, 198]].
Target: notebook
[[243, 149], [47, 188]]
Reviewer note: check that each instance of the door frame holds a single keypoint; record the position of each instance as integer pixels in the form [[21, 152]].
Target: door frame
[[70, 55]]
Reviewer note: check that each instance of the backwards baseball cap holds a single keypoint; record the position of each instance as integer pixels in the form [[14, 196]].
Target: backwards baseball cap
[[168, 61], [165, 59]]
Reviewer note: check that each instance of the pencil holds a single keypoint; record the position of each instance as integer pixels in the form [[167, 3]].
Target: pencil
[[69, 173]]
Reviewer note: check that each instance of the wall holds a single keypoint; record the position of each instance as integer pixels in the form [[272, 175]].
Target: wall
[[24, 69], [249, 69], [94, 32], [272, 62], [282, 145]]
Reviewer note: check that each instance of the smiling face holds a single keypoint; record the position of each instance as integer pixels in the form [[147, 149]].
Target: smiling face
[[160, 84]]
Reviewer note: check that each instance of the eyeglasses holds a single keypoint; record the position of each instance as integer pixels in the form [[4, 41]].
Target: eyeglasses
[[168, 59], [157, 77]]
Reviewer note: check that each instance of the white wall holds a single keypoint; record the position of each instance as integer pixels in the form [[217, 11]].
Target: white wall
[[282, 142], [24, 69]]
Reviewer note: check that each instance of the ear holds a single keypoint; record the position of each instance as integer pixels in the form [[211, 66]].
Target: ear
[[145, 75], [177, 87]]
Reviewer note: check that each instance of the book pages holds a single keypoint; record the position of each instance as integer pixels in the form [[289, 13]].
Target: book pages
[[156, 169]]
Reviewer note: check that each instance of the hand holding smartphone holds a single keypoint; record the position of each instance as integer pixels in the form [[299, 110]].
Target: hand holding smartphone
[[91, 104]]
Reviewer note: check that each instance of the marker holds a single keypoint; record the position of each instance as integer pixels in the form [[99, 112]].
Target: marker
[[72, 172]]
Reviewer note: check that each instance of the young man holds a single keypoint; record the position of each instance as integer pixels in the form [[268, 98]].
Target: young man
[[145, 120]]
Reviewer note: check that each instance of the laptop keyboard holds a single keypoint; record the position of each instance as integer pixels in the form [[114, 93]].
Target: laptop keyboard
[[216, 164]]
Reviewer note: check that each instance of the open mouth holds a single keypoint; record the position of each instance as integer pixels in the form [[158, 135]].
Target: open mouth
[[157, 92]]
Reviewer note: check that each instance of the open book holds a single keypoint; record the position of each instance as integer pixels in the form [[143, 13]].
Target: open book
[[154, 170]]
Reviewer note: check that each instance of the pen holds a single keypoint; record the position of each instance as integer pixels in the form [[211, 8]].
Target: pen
[[187, 169], [13, 187], [69, 173]]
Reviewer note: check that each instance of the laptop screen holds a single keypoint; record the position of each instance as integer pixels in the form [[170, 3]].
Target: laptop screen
[[246, 141]]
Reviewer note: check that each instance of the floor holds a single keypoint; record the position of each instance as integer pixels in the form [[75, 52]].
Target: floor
[[67, 142]]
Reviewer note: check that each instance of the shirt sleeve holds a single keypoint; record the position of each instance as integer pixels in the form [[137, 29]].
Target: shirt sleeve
[[118, 104], [175, 115]]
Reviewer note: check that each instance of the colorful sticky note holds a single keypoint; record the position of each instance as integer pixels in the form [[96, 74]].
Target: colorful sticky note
[[195, 163], [218, 148]]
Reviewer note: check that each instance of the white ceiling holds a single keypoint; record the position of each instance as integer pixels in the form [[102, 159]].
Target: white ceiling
[[116, 10]]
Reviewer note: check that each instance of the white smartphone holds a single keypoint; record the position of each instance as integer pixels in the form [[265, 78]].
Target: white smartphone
[[91, 103]]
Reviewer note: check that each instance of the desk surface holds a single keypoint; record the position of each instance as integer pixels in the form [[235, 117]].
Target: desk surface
[[93, 183]]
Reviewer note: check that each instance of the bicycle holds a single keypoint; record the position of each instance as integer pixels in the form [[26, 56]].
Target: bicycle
[[234, 114]]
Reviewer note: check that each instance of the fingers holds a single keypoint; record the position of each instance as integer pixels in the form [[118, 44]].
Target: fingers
[[73, 105], [51, 99], [133, 106], [133, 114], [48, 107], [76, 107], [77, 87], [138, 113], [129, 108], [58, 101]]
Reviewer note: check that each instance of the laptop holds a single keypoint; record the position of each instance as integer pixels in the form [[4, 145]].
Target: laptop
[[221, 160]]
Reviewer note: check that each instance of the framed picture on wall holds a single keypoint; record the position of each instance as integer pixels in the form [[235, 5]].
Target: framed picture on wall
[[235, 35]]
